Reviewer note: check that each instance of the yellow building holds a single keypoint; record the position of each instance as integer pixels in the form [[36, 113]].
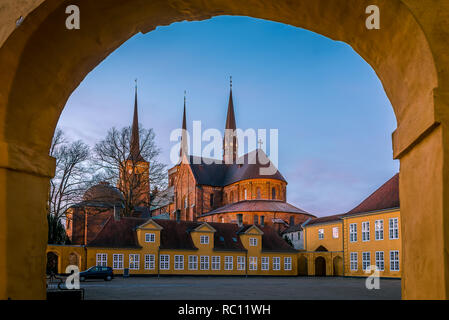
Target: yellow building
[[168, 247], [349, 244]]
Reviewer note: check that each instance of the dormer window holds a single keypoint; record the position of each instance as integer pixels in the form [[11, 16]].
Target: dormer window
[[150, 237], [253, 242], [204, 239]]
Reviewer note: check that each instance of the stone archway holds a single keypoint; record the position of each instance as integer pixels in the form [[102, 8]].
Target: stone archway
[[52, 263], [338, 266], [75, 259], [42, 63], [320, 266]]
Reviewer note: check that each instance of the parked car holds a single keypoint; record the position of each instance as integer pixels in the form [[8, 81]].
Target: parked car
[[97, 272]]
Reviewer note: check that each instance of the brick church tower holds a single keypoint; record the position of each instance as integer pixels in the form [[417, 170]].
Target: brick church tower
[[135, 171]]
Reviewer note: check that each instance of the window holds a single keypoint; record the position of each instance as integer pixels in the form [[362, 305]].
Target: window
[[256, 219], [276, 263], [215, 262], [258, 193], [366, 260], [164, 262], [335, 232], [204, 262], [245, 194], [231, 197], [394, 260], [292, 220], [273, 193], [179, 262], [265, 263], [320, 234], [379, 229], [134, 261], [394, 230], [240, 263], [354, 261], [117, 261], [102, 259], [193, 262], [204, 239], [253, 242], [229, 263], [149, 261], [365, 231], [353, 232], [186, 202], [252, 263], [287, 263], [380, 265], [211, 199], [150, 237]]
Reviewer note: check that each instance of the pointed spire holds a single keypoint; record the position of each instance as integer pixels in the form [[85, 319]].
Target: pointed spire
[[134, 149], [230, 119], [230, 146], [184, 147]]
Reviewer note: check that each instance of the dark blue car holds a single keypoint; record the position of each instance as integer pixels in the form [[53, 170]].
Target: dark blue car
[[97, 272]]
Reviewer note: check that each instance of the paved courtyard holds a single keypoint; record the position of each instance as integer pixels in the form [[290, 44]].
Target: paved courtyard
[[256, 288]]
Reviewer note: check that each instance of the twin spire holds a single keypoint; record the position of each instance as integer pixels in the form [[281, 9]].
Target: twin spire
[[134, 148]]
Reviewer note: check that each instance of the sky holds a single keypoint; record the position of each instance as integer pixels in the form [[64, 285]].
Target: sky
[[334, 118]]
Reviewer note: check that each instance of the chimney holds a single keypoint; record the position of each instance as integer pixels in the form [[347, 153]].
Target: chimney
[[262, 221], [239, 219], [178, 215]]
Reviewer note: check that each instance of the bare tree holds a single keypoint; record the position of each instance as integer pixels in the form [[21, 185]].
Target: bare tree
[[125, 168], [71, 179]]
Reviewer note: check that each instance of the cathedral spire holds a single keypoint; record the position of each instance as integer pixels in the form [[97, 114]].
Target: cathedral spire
[[184, 146], [134, 149], [230, 146]]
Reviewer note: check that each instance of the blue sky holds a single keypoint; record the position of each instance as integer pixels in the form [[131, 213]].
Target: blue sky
[[334, 119]]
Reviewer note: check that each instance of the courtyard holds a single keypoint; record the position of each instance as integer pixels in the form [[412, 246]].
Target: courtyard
[[240, 288]]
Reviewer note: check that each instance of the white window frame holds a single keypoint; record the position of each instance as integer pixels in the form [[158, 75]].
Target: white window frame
[[102, 259], [253, 242], [393, 228], [365, 231], [394, 260], [380, 260], [117, 261], [134, 261], [276, 263], [204, 262], [229, 263], [287, 263], [320, 234], [265, 263], [241, 265], [353, 232], [335, 233], [179, 262], [215, 262], [164, 262], [193, 262], [253, 263], [379, 230], [204, 239], [149, 262], [366, 260], [150, 237], [354, 261]]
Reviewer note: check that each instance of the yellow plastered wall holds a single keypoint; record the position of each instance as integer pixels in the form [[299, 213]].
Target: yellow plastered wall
[[329, 242]]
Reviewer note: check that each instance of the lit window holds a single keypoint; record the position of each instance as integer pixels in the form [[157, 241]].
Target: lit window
[[229, 262], [276, 263], [149, 261], [380, 264], [353, 232], [164, 262], [320, 234], [204, 262], [215, 262], [204, 239], [193, 262], [265, 263], [240, 263], [245, 194], [117, 261], [379, 229], [150, 237], [253, 242], [354, 261], [394, 260], [335, 232], [365, 231], [186, 202], [287, 263], [252, 263], [102, 259], [179, 262], [366, 260], [134, 261], [394, 229]]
